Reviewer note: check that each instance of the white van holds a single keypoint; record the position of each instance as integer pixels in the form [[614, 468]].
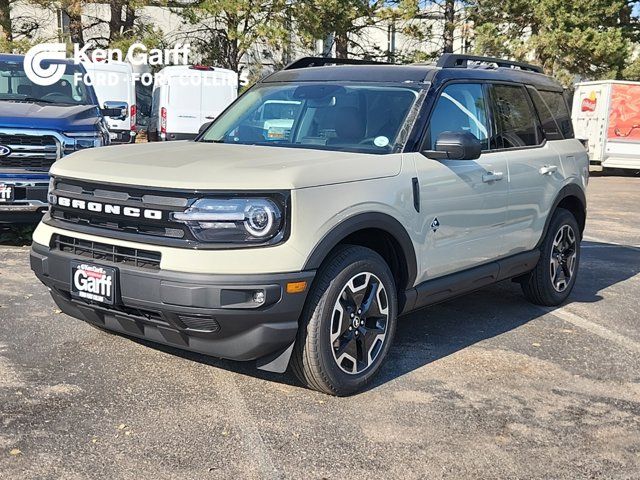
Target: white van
[[606, 115], [113, 81], [187, 97]]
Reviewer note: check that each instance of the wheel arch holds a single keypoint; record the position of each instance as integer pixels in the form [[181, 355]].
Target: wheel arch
[[571, 197], [378, 231]]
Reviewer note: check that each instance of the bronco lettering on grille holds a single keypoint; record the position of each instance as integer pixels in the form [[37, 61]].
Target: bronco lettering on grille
[[110, 209]]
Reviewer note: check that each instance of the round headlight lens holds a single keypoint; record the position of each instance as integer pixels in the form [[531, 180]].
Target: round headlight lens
[[259, 220]]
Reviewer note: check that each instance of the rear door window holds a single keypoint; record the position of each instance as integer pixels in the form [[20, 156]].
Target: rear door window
[[516, 122], [461, 107]]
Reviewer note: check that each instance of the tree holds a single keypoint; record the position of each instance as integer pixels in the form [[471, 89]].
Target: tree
[[340, 20], [6, 32], [226, 31], [568, 38], [431, 27]]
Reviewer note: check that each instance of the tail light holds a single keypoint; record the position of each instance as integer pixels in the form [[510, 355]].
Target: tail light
[[133, 115], [163, 120]]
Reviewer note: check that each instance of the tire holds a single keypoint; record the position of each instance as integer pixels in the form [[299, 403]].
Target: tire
[[331, 329], [551, 281]]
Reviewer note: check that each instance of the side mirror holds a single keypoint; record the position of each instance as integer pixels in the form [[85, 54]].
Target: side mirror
[[203, 127], [455, 146], [115, 110]]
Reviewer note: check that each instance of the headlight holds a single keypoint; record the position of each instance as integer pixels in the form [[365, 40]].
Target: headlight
[[86, 139], [234, 220], [51, 198]]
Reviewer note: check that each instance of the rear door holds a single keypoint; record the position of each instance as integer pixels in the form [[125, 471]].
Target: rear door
[[590, 107], [534, 166], [462, 202], [219, 90], [185, 100]]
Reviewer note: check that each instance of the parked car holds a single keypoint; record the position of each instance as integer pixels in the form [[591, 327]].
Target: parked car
[[187, 97], [606, 115], [113, 81], [38, 126], [396, 188]]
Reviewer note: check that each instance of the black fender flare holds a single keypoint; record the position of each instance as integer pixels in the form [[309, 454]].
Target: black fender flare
[[569, 190], [361, 221]]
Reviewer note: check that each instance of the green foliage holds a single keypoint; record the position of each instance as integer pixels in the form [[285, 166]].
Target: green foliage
[[224, 31], [317, 19], [632, 71], [589, 39]]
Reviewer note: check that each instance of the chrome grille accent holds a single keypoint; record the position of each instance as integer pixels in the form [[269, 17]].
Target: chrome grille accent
[[37, 152]]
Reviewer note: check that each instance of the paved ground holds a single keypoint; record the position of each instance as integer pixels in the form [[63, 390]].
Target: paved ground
[[482, 387]]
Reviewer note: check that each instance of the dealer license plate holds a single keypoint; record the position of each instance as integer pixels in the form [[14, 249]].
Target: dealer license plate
[[93, 282]]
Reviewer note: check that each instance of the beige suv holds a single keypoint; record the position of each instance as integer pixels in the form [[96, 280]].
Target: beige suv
[[374, 190]]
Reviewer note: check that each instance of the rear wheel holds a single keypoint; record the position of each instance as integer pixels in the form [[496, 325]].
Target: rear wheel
[[348, 322], [551, 282]]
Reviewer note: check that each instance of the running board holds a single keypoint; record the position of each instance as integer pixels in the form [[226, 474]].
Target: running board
[[450, 286]]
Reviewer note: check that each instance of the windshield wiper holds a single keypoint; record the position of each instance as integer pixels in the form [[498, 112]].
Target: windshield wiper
[[27, 99]]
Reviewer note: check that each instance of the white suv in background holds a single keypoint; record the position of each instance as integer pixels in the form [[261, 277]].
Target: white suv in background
[[392, 188]]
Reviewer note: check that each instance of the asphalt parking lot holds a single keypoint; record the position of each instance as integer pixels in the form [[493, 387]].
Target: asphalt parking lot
[[486, 386]]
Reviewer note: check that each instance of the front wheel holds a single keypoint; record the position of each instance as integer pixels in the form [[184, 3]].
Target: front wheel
[[551, 282], [348, 322]]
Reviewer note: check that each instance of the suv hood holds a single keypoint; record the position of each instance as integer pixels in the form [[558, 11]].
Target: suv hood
[[43, 116], [210, 166]]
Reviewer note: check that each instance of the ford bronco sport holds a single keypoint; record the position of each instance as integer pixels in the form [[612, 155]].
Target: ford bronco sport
[[392, 188]]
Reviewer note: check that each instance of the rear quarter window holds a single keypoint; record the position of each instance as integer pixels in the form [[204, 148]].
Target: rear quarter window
[[549, 125], [560, 111]]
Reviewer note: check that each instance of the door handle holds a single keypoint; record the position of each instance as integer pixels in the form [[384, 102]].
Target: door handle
[[548, 169], [492, 177]]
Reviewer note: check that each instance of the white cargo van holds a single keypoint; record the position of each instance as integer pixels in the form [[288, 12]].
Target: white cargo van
[[187, 97], [113, 81], [606, 114]]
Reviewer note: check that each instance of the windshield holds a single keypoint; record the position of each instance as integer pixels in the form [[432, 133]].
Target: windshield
[[346, 117], [15, 86]]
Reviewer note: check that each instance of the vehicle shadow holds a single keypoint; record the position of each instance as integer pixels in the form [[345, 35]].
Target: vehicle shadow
[[16, 235], [435, 332]]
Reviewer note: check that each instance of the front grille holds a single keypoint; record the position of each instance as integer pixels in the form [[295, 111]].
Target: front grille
[[109, 253], [121, 196], [36, 152]]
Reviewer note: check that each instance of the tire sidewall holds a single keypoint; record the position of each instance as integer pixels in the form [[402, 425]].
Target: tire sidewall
[[347, 383], [562, 218]]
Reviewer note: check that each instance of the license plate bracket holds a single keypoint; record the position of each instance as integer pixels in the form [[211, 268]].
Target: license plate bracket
[[7, 193], [94, 283]]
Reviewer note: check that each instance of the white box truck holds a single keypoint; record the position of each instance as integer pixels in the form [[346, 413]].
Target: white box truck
[[187, 97], [606, 115], [113, 81]]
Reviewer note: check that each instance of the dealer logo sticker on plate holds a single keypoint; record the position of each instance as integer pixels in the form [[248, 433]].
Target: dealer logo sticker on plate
[[6, 193], [93, 282]]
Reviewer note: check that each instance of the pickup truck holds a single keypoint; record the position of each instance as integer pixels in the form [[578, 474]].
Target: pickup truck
[[38, 126]]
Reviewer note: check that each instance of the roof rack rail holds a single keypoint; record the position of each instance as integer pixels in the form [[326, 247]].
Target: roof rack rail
[[322, 61], [455, 60]]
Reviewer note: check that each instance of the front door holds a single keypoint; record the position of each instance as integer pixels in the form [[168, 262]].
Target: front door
[[463, 203]]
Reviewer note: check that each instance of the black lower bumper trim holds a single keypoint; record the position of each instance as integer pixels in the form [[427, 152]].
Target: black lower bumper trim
[[207, 314]]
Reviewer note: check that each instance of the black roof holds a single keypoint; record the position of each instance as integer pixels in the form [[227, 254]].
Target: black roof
[[448, 67]]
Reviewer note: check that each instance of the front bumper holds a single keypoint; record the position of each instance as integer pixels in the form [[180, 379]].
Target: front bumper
[[122, 136], [197, 312], [29, 197]]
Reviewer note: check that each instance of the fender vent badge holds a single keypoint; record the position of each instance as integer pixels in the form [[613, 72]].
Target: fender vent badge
[[435, 224]]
